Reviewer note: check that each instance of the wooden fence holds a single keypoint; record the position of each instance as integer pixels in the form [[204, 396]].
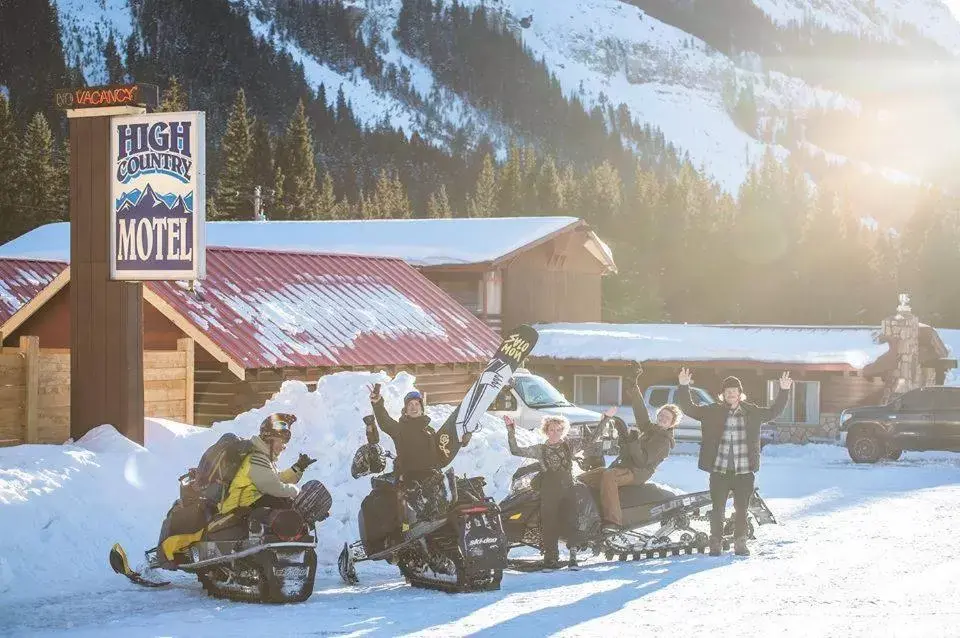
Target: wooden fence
[[35, 390]]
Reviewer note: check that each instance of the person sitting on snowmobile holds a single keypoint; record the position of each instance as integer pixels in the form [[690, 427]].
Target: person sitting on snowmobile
[[258, 482], [412, 435], [417, 461], [641, 452], [556, 459]]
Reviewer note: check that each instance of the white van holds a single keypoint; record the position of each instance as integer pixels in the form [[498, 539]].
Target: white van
[[529, 398]]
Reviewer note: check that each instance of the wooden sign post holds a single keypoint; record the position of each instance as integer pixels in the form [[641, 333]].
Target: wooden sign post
[[106, 293]]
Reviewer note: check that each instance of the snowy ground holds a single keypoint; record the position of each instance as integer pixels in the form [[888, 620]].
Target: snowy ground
[[859, 550]]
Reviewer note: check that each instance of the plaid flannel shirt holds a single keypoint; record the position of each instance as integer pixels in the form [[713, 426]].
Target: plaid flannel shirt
[[733, 455]]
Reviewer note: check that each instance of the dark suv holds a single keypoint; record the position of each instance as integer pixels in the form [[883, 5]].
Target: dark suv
[[923, 419]]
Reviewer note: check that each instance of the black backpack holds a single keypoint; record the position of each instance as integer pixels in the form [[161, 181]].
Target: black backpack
[[211, 479]]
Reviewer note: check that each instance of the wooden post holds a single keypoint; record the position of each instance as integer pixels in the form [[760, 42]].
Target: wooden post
[[106, 316], [30, 347], [186, 345]]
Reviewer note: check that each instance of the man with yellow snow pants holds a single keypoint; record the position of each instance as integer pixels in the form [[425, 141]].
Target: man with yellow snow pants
[[258, 482]]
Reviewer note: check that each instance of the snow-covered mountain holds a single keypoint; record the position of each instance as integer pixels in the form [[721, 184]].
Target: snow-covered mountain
[[610, 52]]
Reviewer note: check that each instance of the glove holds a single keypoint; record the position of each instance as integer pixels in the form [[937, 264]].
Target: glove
[[303, 463], [466, 439]]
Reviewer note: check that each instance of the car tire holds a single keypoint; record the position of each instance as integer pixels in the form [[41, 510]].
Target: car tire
[[894, 454], [865, 446]]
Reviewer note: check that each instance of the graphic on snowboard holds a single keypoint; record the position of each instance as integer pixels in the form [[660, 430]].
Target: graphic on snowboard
[[449, 535]]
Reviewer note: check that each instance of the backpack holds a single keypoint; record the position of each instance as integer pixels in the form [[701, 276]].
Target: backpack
[[211, 479]]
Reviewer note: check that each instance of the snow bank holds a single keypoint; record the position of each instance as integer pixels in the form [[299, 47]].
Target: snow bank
[[62, 507]]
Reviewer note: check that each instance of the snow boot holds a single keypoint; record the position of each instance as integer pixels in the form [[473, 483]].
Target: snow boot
[[715, 546], [573, 558], [551, 561], [740, 546]]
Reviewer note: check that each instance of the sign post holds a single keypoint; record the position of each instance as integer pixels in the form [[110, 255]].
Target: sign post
[[115, 243]]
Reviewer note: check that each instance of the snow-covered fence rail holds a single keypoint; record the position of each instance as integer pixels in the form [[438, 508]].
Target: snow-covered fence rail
[[35, 390]]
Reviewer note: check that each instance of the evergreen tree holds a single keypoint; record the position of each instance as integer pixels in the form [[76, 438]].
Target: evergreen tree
[[549, 189], [40, 178], [32, 57], [510, 182], [439, 204], [300, 186], [235, 187], [276, 207], [483, 201], [262, 155], [174, 98], [8, 172], [327, 205], [115, 72]]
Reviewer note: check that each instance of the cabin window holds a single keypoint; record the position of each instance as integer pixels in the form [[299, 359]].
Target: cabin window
[[804, 404], [593, 389]]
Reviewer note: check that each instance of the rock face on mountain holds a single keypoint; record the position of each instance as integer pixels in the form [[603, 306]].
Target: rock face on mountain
[[725, 82]]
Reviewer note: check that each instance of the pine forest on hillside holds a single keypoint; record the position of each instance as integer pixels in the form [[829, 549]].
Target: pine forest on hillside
[[777, 251]]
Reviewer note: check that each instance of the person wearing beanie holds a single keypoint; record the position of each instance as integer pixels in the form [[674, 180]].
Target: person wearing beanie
[[730, 449], [259, 482], [412, 435]]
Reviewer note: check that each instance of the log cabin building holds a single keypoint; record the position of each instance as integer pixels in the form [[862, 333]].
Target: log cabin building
[[506, 270], [264, 316], [833, 367]]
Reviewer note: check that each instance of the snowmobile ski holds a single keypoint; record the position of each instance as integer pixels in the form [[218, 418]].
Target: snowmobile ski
[[120, 564], [527, 565]]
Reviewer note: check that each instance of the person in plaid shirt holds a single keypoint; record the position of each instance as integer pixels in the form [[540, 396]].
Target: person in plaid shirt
[[730, 450]]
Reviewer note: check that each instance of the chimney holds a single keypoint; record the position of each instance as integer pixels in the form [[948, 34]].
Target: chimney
[[902, 332]]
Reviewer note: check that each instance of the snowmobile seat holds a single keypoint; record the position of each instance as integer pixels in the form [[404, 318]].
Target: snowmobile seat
[[636, 495]]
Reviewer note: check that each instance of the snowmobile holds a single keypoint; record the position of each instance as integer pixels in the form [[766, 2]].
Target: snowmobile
[[443, 532], [657, 521], [251, 554]]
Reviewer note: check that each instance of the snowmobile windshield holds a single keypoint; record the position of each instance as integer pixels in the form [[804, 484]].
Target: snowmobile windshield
[[537, 392]]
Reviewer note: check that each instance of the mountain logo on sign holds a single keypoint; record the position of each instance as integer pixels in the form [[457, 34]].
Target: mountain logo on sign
[[153, 234], [144, 204], [130, 198]]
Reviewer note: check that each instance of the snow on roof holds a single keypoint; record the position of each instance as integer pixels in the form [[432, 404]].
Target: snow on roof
[[21, 280], [854, 346], [419, 242], [269, 309]]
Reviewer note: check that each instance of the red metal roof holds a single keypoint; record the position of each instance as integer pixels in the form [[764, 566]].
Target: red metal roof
[[269, 309], [21, 280]]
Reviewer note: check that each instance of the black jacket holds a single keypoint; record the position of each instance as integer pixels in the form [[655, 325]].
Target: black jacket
[[413, 438], [713, 421], [644, 449]]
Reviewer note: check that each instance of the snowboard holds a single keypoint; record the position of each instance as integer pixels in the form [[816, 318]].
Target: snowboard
[[465, 419]]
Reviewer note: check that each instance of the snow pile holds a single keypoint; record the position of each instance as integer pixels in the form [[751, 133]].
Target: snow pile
[[62, 507], [853, 346]]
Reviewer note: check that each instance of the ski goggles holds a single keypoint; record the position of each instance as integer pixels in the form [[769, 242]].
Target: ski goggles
[[280, 426]]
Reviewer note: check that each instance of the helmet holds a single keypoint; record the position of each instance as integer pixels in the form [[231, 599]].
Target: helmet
[[413, 396], [278, 426], [369, 459]]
